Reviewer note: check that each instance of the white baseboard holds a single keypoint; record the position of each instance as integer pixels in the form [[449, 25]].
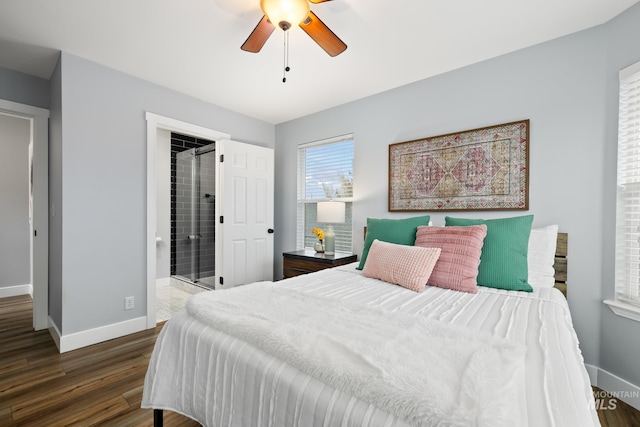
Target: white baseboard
[[12, 291], [54, 332], [614, 385], [97, 335], [593, 373], [165, 281]]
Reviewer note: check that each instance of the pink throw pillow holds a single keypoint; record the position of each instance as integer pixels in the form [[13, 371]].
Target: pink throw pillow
[[461, 246], [407, 266]]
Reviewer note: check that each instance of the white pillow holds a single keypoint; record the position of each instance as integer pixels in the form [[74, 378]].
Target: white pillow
[[542, 252]]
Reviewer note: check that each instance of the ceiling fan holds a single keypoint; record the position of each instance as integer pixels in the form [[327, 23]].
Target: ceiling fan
[[287, 13]]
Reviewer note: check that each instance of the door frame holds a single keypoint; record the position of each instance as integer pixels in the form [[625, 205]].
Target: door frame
[[39, 135], [155, 122]]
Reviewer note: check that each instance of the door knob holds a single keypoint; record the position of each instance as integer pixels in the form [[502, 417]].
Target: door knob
[[270, 231]]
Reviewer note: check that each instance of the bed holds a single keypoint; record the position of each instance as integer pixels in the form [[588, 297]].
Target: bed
[[440, 357]]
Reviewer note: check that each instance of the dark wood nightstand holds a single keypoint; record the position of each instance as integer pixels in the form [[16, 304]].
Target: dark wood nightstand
[[307, 261]]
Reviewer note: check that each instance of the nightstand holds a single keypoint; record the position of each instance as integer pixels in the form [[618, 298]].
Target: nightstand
[[307, 261]]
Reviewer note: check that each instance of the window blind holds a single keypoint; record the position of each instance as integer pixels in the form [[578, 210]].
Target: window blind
[[627, 268], [325, 171]]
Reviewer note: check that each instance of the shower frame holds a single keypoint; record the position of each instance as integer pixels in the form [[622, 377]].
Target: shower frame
[[193, 226]]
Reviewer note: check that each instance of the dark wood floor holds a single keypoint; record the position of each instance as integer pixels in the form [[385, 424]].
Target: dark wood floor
[[622, 416], [96, 385], [102, 384]]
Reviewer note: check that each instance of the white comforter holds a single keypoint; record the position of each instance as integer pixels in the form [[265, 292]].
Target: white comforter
[[228, 376]]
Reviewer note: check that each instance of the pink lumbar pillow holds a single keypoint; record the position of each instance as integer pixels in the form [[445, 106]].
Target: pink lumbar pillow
[[461, 246], [407, 266]]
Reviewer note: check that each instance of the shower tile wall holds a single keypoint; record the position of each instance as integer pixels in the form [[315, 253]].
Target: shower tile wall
[[184, 248], [180, 209]]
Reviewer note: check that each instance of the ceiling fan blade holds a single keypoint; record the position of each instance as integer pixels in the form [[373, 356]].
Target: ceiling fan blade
[[318, 1], [322, 35], [258, 36]]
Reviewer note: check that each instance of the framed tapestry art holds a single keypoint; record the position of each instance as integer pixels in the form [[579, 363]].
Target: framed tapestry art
[[479, 169]]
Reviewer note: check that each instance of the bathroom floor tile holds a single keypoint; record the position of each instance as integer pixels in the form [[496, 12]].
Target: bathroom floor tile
[[171, 299]]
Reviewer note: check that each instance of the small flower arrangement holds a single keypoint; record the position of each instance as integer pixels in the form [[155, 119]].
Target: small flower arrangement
[[319, 247], [319, 233]]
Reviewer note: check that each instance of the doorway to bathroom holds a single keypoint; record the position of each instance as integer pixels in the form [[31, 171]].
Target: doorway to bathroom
[[186, 228], [243, 209], [193, 214]]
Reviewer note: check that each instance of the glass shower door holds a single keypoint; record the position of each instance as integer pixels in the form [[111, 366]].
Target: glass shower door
[[195, 215]]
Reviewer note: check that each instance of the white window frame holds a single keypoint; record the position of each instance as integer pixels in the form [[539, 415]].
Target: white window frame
[[627, 252], [302, 200]]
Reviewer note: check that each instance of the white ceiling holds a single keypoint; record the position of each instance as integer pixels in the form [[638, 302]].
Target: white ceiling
[[193, 46]]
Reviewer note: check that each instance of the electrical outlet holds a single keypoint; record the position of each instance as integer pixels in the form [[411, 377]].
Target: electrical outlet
[[128, 303]]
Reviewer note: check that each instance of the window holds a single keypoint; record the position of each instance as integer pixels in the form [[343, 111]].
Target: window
[[627, 270], [325, 171]]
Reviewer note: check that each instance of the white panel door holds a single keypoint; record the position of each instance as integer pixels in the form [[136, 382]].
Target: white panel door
[[244, 237]]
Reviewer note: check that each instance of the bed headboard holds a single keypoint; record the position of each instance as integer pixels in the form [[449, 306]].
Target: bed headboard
[[560, 264]]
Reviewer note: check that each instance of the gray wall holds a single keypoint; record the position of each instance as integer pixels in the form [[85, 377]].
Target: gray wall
[[567, 88], [102, 185], [620, 337], [15, 242], [55, 197], [23, 88]]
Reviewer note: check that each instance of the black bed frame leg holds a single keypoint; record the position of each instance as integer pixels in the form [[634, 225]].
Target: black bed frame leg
[[158, 420]]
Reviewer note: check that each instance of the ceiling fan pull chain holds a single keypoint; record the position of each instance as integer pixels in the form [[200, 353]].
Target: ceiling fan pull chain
[[286, 56]]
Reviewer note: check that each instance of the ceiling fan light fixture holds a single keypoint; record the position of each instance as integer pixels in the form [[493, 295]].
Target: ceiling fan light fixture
[[285, 13]]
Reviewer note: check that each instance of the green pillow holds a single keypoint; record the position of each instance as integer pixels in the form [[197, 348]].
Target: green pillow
[[503, 262], [398, 231]]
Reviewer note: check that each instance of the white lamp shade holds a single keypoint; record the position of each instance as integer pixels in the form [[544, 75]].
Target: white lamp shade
[[290, 11], [333, 212]]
